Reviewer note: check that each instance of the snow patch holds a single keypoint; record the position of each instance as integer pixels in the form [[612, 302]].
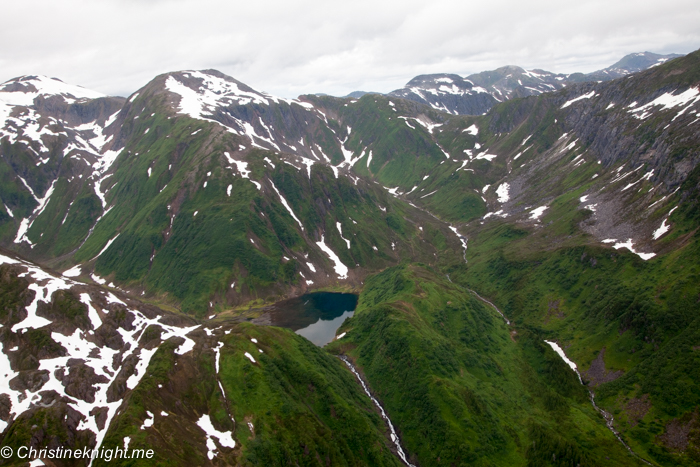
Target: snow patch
[[94, 317], [485, 155], [225, 437], [286, 205], [340, 229], [109, 243], [498, 213], [242, 166], [585, 96], [563, 356], [630, 246], [73, 272], [340, 269], [667, 101], [537, 212], [147, 423], [472, 130], [503, 192], [46, 86], [663, 228]]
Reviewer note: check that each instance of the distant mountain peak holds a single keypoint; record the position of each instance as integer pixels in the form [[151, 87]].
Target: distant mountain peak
[[635, 62], [445, 91], [454, 94], [24, 89], [358, 94], [631, 63]]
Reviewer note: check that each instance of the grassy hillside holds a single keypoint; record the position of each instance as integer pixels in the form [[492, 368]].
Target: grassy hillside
[[206, 234], [630, 325], [462, 387], [296, 405]]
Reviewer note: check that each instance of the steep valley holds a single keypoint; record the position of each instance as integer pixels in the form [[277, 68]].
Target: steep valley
[[143, 239]]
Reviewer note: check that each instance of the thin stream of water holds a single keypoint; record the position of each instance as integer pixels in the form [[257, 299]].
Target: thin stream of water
[[394, 436], [606, 415], [317, 316]]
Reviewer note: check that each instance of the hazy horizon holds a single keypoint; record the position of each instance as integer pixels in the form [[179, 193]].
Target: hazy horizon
[[118, 46]]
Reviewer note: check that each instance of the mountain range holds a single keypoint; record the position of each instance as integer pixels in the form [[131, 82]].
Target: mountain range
[[477, 93], [524, 246]]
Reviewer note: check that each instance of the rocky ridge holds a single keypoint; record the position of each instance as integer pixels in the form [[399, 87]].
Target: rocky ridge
[[202, 194], [477, 93]]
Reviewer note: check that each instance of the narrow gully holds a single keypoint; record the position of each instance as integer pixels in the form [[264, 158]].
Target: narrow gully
[[394, 436], [606, 415]]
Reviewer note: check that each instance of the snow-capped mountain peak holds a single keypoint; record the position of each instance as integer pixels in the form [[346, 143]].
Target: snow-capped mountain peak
[[213, 96], [445, 92], [23, 90], [477, 93], [201, 92]]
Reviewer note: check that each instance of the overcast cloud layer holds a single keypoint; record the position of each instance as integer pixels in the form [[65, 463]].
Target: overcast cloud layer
[[295, 47]]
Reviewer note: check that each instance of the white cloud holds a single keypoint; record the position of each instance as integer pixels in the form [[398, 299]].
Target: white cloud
[[289, 48]]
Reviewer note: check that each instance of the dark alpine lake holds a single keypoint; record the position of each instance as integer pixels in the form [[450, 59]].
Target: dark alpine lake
[[315, 316]]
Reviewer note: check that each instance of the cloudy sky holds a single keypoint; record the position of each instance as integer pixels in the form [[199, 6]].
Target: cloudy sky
[[294, 47]]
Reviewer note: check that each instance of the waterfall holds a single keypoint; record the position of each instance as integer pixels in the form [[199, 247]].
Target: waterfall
[[394, 436], [606, 415]]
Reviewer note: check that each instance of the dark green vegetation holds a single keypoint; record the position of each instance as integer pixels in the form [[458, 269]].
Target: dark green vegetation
[[196, 218], [186, 229], [401, 155], [631, 325], [461, 388], [296, 405]]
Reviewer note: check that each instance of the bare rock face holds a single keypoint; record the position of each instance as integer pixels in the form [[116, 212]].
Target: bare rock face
[[64, 356], [80, 380], [637, 409], [677, 432], [31, 380], [597, 374], [5, 407]]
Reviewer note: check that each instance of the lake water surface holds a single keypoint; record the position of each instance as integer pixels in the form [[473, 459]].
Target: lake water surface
[[315, 316]]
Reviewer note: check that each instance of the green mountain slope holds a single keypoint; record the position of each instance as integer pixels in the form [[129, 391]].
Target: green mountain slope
[[630, 325], [575, 212], [187, 211], [85, 367], [462, 387], [294, 405]]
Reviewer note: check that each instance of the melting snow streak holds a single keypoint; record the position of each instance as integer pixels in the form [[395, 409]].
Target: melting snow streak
[[286, 205], [340, 268]]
